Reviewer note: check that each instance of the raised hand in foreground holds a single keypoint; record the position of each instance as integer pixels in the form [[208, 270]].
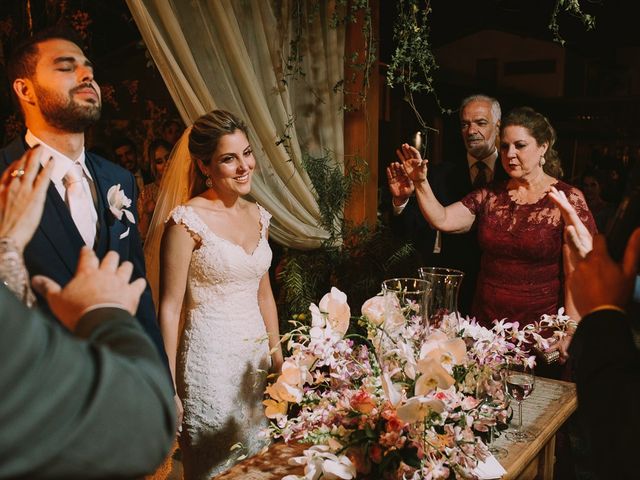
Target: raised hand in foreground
[[598, 281], [95, 283], [22, 194], [576, 234]]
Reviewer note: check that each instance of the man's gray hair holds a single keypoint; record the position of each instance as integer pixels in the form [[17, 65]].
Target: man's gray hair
[[496, 111]]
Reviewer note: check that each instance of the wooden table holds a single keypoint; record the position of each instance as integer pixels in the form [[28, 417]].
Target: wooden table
[[544, 412], [549, 406]]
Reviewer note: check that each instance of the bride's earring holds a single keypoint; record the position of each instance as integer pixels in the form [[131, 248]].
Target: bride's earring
[[208, 182]]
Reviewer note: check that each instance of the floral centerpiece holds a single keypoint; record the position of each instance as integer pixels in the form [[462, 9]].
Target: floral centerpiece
[[398, 403]]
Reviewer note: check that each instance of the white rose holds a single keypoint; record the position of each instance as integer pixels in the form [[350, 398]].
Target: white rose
[[335, 305], [118, 203], [373, 309]]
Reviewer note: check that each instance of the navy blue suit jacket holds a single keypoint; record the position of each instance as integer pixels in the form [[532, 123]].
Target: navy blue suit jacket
[[55, 247]]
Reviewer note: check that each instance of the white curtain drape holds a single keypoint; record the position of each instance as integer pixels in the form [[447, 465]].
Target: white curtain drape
[[233, 54]]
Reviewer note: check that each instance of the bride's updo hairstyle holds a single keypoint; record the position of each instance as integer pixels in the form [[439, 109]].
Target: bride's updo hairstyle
[[541, 130], [204, 137]]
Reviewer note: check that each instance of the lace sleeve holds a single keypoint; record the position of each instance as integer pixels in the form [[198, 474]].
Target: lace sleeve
[[13, 273], [265, 217], [576, 198], [473, 200], [185, 216]]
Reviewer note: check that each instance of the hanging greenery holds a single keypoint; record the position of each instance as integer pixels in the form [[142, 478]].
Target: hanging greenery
[[413, 64], [354, 259]]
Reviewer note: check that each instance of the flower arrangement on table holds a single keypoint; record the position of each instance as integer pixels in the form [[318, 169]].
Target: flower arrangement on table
[[399, 403]]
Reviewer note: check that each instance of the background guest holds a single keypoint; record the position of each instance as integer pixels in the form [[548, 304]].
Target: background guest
[[126, 154], [172, 131], [601, 210], [158, 155], [96, 406]]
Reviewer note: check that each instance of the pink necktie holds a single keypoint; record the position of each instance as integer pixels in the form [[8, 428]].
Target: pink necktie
[[79, 203]]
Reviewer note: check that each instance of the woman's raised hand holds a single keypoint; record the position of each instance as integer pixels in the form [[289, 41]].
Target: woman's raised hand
[[576, 235], [412, 162], [400, 186]]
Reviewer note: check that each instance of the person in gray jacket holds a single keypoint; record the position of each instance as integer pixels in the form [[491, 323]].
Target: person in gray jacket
[[94, 404]]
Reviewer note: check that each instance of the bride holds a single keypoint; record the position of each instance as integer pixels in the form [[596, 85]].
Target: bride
[[214, 261]]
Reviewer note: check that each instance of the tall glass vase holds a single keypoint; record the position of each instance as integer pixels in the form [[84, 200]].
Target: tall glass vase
[[404, 306], [442, 301], [405, 299]]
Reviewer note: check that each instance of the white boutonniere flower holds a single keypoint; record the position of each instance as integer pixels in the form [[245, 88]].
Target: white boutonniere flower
[[118, 203]]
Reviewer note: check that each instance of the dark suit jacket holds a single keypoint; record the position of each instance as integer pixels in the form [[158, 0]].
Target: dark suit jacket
[[450, 182], [96, 408], [54, 249], [606, 369]]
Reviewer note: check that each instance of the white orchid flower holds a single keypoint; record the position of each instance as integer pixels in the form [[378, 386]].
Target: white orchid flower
[[317, 318], [393, 317], [274, 409], [393, 394], [433, 376], [338, 468], [335, 305], [292, 373], [443, 349], [418, 407], [283, 392], [405, 353], [320, 463], [437, 336]]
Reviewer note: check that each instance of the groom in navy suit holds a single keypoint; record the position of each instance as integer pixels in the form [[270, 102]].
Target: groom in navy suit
[[90, 201]]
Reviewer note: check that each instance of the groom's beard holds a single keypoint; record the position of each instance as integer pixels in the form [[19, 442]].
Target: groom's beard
[[65, 113]]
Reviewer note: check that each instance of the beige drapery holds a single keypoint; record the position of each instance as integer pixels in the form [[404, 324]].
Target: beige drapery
[[232, 54]]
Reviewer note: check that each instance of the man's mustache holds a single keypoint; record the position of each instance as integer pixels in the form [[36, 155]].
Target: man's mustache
[[83, 86]]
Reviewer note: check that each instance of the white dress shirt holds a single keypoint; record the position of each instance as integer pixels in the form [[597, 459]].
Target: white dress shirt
[[489, 161], [60, 168]]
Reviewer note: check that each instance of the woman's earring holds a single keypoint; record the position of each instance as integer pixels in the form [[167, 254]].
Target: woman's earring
[[542, 161], [208, 182]]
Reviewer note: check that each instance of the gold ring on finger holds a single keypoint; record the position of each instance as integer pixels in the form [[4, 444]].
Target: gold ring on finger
[[17, 173]]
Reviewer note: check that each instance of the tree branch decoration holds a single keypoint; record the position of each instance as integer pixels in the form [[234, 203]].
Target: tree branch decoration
[[573, 8], [413, 64]]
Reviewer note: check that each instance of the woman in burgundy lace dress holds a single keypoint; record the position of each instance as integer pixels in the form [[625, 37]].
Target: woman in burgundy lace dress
[[520, 228]]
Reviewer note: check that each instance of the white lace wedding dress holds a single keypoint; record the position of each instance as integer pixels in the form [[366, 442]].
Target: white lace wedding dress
[[223, 356]]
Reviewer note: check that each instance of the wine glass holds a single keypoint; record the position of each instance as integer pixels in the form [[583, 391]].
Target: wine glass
[[519, 381], [490, 390]]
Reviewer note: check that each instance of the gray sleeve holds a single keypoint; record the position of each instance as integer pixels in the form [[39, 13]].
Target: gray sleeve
[[80, 408]]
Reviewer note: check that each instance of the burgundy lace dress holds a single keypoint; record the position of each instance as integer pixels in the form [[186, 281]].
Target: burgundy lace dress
[[521, 274]]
